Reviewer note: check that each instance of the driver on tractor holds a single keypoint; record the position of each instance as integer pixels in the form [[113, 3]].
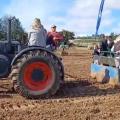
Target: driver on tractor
[[54, 38]]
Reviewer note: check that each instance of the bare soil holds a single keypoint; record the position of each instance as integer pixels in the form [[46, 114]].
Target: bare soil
[[80, 98]]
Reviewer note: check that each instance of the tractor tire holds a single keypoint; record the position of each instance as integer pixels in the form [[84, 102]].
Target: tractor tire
[[37, 74]]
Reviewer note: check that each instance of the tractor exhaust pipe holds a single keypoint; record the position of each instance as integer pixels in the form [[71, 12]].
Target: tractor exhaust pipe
[[9, 34]]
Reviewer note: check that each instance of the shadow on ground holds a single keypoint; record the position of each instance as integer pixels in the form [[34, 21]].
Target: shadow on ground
[[85, 88], [73, 89]]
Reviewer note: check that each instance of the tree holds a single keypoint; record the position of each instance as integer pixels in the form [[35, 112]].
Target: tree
[[113, 35], [1, 31], [16, 28], [67, 35]]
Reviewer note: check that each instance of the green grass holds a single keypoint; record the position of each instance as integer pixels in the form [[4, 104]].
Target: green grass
[[86, 42]]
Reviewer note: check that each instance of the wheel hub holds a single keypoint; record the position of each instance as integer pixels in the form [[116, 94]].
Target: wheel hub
[[37, 75]]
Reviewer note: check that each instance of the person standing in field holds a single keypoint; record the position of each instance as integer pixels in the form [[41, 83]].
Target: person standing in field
[[104, 45], [96, 49], [54, 37], [110, 43], [38, 34], [96, 53]]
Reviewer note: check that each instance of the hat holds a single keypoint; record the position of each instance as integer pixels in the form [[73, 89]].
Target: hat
[[53, 26]]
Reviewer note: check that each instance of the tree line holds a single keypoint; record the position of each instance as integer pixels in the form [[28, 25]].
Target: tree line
[[19, 34], [99, 37]]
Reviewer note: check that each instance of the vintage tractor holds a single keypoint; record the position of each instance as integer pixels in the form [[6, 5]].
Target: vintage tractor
[[35, 72]]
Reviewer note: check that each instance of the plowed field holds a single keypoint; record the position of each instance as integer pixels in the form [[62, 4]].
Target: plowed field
[[80, 98]]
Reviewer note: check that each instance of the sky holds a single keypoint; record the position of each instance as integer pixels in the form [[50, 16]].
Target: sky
[[78, 16]]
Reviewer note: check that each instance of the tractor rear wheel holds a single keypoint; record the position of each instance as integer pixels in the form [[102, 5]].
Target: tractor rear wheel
[[37, 74]]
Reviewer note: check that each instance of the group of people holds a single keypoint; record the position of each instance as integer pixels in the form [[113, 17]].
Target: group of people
[[38, 36], [106, 46]]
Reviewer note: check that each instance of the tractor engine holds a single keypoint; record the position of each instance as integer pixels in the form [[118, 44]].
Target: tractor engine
[[6, 56], [8, 49]]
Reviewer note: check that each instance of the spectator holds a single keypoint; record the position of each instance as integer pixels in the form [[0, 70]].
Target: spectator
[[96, 49], [104, 46], [110, 43], [54, 37], [37, 36], [96, 53]]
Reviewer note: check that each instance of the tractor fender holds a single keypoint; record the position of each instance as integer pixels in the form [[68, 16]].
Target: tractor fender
[[31, 49]]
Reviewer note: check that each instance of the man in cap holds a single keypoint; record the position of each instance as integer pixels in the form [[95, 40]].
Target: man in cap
[[54, 37]]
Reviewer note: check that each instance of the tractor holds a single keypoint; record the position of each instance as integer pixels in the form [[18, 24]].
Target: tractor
[[35, 72]]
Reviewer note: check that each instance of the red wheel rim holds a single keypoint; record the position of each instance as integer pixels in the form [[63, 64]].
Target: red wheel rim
[[39, 85]]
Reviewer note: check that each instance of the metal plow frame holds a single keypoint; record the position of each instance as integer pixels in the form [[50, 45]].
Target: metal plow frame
[[105, 74], [104, 71]]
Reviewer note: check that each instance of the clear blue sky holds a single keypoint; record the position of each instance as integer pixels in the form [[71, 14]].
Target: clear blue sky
[[79, 16]]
